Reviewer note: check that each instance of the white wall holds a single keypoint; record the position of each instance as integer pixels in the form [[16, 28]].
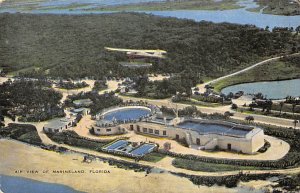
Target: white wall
[[113, 130], [248, 145]]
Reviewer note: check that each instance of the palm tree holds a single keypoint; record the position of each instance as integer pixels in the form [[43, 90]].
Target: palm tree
[[281, 103], [227, 115], [293, 108], [295, 123], [269, 104], [249, 118], [297, 30], [251, 106]]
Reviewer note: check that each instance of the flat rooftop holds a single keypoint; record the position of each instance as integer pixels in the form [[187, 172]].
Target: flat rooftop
[[57, 123], [215, 128]]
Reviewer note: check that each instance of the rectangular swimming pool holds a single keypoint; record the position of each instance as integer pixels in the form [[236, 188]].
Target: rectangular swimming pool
[[143, 149], [117, 145]]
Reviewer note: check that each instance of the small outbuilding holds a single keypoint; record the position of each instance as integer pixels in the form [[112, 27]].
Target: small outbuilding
[[57, 125]]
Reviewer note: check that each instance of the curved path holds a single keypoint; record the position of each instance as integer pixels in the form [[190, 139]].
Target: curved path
[[164, 164], [201, 86]]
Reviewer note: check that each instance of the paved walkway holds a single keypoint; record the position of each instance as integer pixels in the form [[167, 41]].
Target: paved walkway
[[166, 163], [221, 109], [278, 149]]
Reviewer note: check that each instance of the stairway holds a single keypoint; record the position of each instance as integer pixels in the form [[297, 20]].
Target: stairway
[[189, 140], [211, 144]]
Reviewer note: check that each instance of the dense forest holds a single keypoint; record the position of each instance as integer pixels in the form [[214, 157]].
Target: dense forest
[[181, 83], [72, 46], [30, 100]]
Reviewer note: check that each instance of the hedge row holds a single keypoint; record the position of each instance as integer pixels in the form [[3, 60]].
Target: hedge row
[[291, 159], [229, 181]]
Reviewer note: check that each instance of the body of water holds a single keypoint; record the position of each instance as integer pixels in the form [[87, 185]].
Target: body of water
[[12, 184], [127, 114], [271, 89], [238, 16]]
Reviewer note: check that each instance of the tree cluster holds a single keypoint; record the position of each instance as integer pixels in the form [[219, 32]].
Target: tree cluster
[[72, 46], [100, 102], [72, 85], [30, 100]]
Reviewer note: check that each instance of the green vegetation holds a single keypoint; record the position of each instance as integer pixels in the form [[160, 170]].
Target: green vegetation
[[143, 6], [208, 167], [285, 68], [72, 46], [100, 102], [229, 181], [153, 157], [30, 100], [290, 183], [289, 109], [22, 132], [191, 111], [99, 85], [63, 7], [71, 85], [73, 139], [285, 107], [270, 113], [171, 5], [1, 118], [182, 83], [278, 7]]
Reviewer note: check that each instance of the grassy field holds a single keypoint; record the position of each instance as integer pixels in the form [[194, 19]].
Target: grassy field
[[278, 7], [143, 6], [279, 70], [173, 5], [208, 167], [286, 108], [271, 113], [154, 157], [15, 73]]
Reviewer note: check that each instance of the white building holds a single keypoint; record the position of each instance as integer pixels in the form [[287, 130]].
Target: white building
[[105, 127], [239, 138], [57, 125]]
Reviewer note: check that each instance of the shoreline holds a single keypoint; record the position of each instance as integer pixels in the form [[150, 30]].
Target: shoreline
[[118, 180], [262, 81]]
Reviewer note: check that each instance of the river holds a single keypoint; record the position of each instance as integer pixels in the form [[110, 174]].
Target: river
[[238, 16]]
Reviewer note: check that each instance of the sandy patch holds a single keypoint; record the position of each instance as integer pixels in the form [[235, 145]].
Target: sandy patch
[[159, 77], [18, 156]]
